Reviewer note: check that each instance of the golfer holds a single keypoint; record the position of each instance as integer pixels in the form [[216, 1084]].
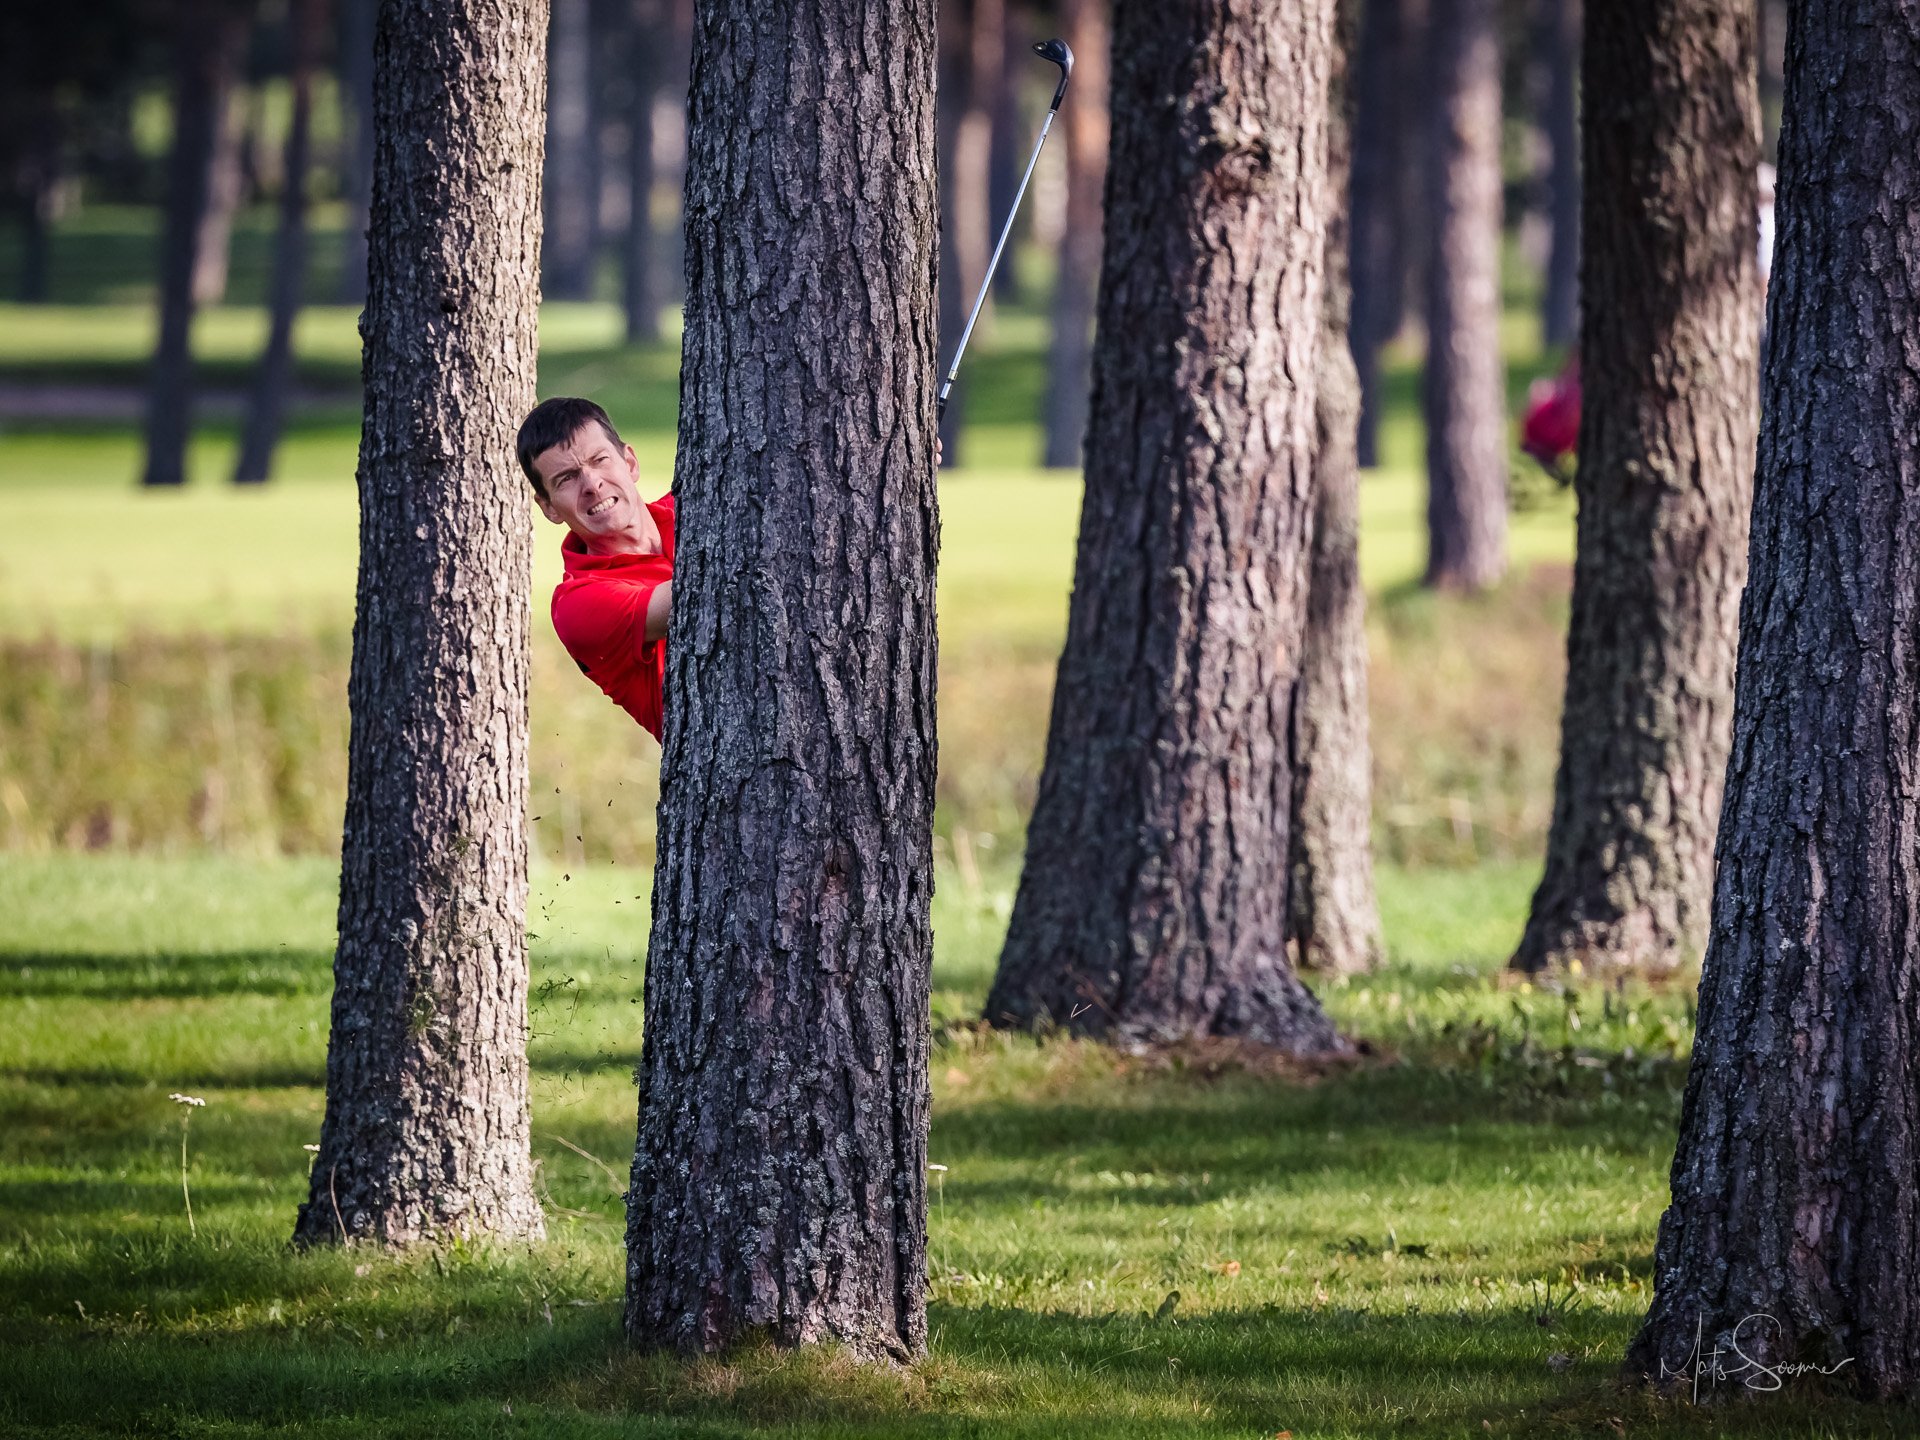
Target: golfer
[[610, 609]]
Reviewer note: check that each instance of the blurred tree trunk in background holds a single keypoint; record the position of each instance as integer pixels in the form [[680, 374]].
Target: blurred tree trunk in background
[[1153, 904], [1012, 137], [1333, 919], [426, 1128], [356, 175], [1070, 357], [213, 250], [1380, 233], [779, 1174], [273, 380], [207, 40], [649, 46], [1772, 47], [1670, 387], [568, 271], [1556, 64], [972, 55], [1466, 400], [1793, 1184], [38, 182]]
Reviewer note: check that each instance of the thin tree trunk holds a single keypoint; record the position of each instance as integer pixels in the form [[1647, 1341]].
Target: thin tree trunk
[[1466, 401], [1557, 60], [972, 45], [1012, 138], [779, 1179], [569, 214], [207, 41], [1379, 231], [1670, 380], [1792, 1230], [213, 251], [40, 181], [1153, 905], [640, 292], [1334, 921], [426, 1129], [356, 84], [1070, 359], [267, 407]]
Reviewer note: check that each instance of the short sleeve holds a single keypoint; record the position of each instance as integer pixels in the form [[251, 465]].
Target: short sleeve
[[603, 626]]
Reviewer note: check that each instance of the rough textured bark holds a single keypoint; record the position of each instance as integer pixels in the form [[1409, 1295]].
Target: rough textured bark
[[640, 294], [207, 41], [1334, 921], [569, 199], [1556, 39], [1378, 233], [1793, 1185], [426, 1122], [356, 169], [1084, 118], [1670, 380], [272, 382], [1466, 400], [1153, 905], [779, 1180]]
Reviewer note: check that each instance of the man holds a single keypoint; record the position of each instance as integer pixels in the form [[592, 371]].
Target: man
[[610, 610]]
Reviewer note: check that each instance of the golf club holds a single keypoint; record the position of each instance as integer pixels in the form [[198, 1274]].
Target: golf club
[[1060, 54]]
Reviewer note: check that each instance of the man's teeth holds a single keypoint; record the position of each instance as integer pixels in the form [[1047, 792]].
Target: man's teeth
[[604, 506]]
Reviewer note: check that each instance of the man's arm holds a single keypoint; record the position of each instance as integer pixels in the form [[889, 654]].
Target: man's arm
[[659, 607]]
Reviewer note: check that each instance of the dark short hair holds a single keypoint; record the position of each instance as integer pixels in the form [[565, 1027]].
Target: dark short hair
[[553, 422]]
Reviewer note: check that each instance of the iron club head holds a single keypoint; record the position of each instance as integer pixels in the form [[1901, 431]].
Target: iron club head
[[1061, 54]]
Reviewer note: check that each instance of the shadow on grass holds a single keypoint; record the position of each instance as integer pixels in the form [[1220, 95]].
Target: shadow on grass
[[110, 975]]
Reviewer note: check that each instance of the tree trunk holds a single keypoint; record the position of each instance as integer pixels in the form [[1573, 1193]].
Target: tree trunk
[[1466, 400], [207, 39], [356, 180], [267, 407], [426, 1128], [1013, 137], [779, 1180], [1670, 381], [1070, 361], [1793, 1184], [1153, 905], [569, 213], [39, 180], [640, 294], [1334, 922], [972, 46], [1379, 231], [1557, 60], [213, 251]]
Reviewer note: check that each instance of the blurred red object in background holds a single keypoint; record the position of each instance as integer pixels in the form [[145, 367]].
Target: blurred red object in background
[[1550, 430]]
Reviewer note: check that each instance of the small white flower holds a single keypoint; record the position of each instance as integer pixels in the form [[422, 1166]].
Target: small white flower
[[180, 1099]]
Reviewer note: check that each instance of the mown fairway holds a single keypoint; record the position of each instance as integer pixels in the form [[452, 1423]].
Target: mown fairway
[[1449, 1239]]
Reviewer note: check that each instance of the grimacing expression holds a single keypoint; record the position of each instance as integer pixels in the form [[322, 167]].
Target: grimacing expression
[[591, 482]]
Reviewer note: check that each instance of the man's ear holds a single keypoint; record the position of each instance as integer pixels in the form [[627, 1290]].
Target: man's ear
[[546, 507], [633, 463]]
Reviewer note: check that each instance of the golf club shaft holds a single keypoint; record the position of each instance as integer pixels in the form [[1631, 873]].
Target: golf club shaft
[[946, 385]]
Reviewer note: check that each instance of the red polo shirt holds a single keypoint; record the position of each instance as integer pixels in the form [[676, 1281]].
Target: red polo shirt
[[600, 615]]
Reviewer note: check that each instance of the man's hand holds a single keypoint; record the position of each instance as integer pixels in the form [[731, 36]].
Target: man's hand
[[939, 451], [659, 607]]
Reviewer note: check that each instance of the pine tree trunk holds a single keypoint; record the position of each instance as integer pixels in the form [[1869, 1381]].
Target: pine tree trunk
[[207, 42], [1466, 401], [1670, 388], [39, 179], [1334, 921], [1793, 1185], [1557, 47], [640, 294], [1012, 138], [426, 1128], [779, 1180], [971, 45], [267, 406], [1379, 231], [213, 251], [569, 213], [1153, 905], [1084, 117], [356, 179]]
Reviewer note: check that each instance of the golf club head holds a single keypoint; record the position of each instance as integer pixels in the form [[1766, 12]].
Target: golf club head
[[1061, 54]]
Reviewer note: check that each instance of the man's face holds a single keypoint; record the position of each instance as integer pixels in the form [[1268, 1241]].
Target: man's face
[[591, 484]]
